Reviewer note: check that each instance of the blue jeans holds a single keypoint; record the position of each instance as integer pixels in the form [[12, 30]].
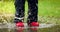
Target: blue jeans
[[32, 10]]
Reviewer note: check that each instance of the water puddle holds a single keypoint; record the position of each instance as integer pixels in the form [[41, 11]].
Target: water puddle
[[42, 28]]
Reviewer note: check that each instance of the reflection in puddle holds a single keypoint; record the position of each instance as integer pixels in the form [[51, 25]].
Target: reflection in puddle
[[15, 30], [10, 28]]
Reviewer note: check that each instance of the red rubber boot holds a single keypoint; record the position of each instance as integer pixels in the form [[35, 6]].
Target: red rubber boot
[[20, 26], [35, 25]]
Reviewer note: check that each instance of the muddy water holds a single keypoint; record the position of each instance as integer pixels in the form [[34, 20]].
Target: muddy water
[[6, 28]]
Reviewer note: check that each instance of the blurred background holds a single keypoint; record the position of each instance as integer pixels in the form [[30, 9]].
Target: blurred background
[[48, 11]]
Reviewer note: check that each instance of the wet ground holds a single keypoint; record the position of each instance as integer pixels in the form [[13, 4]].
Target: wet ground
[[41, 28]]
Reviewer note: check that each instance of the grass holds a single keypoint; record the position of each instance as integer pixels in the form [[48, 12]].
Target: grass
[[48, 10], [49, 7]]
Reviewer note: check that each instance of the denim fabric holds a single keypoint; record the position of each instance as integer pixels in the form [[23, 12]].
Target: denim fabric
[[32, 10]]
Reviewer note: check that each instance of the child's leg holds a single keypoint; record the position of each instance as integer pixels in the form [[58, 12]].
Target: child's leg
[[19, 6], [33, 11]]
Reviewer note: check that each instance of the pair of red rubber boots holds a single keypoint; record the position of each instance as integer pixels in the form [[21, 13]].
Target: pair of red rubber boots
[[33, 24], [21, 24]]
